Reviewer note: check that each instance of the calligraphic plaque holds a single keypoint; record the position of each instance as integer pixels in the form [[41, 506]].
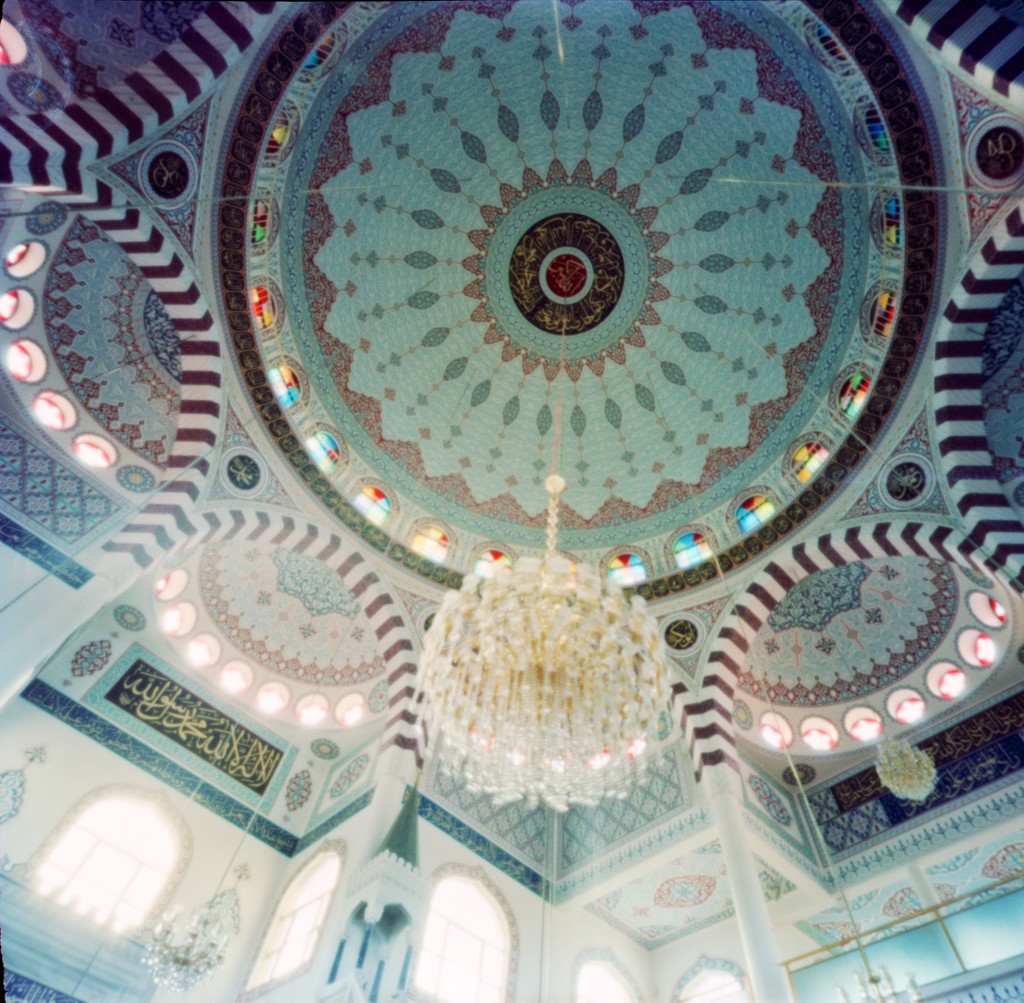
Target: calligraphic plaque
[[169, 708]]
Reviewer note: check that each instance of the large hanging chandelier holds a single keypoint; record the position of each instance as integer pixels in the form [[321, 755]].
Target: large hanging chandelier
[[544, 681], [180, 960], [905, 770]]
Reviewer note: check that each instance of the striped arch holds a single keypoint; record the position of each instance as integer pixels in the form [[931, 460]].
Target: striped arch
[[991, 523], [394, 637], [973, 37], [48, 151], [707, 715]]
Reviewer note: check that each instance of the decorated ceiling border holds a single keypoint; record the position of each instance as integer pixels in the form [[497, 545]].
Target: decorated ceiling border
[[180, 779], [906, 122]]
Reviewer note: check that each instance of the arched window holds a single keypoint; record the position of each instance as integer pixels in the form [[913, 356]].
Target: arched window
[[627, 569], [294, 930], [713, 987], [430, 542], [113, 862], [465, 949], [600, 983], [690, 549]]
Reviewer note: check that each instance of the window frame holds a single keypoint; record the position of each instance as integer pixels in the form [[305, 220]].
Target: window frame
[[155, 800], [335, 849]]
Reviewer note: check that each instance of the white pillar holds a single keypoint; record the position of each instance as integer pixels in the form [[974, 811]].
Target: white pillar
[[768, 978]]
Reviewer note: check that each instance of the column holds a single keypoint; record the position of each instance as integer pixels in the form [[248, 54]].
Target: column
[[768, 978]]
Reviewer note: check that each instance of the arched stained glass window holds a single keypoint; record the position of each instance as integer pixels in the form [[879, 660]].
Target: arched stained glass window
[[690, 549], [808, 460], [294, 929], [112, 863], [627, 569], [324, 450], [373, 503], [753, 512], [854, 395], [464, 954], [883, 314], [284, 381], [430, 542], [260, 227], [490, 561]]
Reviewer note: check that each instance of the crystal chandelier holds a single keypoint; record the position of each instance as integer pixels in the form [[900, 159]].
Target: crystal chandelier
[[906, 770], [544, 680], [179, 961]]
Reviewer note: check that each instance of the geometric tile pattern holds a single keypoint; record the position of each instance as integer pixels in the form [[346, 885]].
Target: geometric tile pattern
[[53, 497], [587, 832], [522, 829]]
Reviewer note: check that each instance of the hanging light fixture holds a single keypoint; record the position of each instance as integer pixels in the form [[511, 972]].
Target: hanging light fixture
[[544, 681], [178, 959], [905, 770], [181, 957]]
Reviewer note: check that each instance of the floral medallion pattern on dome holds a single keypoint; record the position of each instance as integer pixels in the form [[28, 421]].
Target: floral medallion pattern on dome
[[318, 588], [349, 774], [299, 788], [91, 657], [847, 632], [130, 618], [290, 613], [137, 479], [378, 700], [527, 241], [45, 218], [324, 748], [107, 374]]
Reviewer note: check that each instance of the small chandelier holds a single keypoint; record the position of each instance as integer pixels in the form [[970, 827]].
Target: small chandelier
[[179, 961], [544, 680], [905, 770]]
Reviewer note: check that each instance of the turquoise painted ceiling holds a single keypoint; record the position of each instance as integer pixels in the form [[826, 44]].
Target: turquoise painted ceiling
[[679, 158]]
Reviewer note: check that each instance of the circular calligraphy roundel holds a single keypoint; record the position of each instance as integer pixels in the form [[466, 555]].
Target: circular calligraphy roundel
[[566, 273]]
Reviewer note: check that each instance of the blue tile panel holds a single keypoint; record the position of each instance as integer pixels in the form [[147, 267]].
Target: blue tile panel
[[157, 765], [18, 987], [481, 846], [39, 552], [975, 756]]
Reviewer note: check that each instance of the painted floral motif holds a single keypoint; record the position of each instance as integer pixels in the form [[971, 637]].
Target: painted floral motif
[[741, 715], [45, 218], [825, 638], [324, 748], [137, 479], [90, 658], [130, 618], [12, 787], [349, 775], [318, 588], [685, 891], [299, 788], [817, 600], [770, 801], [1004, 862], [378, 697]]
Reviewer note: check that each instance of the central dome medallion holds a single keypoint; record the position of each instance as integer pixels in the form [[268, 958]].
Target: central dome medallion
[[714, 223], [566, 273]]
